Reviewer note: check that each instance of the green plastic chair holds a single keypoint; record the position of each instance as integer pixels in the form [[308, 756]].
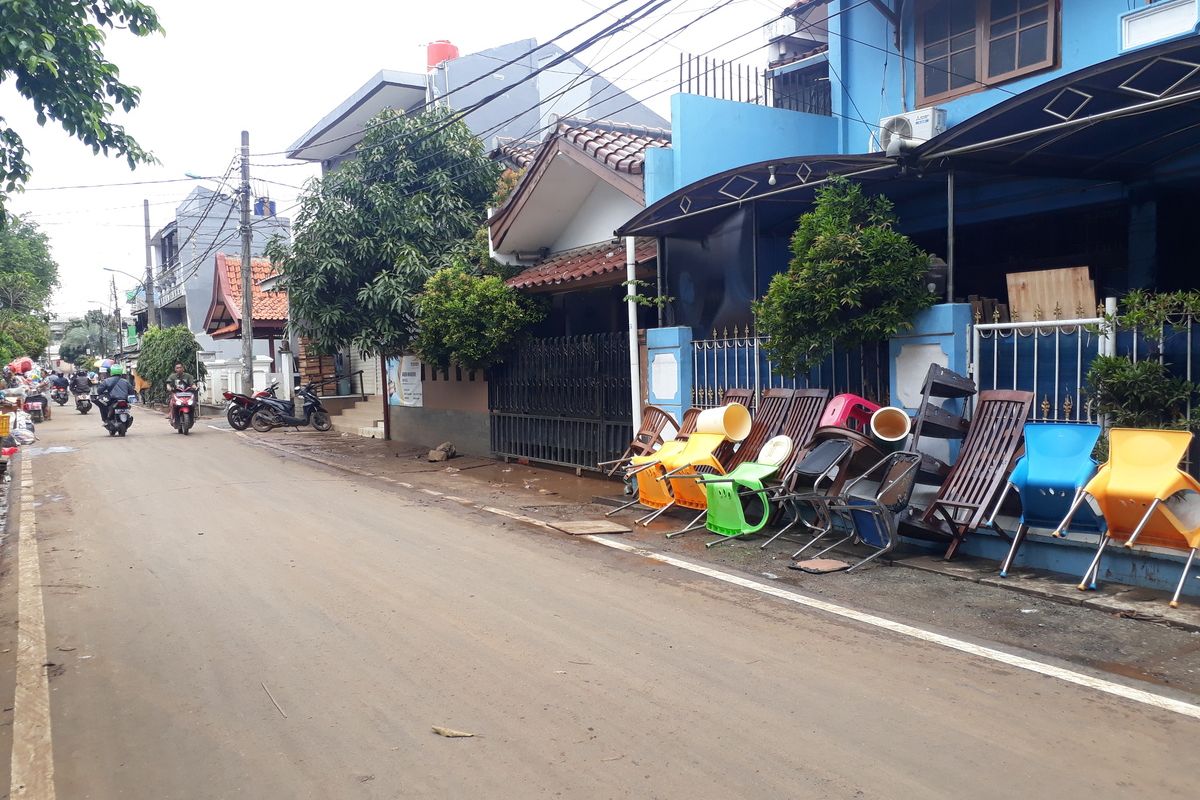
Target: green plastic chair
[[744, 485]]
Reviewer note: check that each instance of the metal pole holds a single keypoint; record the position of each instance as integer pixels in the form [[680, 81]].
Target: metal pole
[[635, 377], [950, 236], [247, 289], [120, 344], [151, 311]]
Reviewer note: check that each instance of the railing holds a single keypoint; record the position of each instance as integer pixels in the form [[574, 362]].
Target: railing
[[741, 360], [727, 80], [352, 380], [1047, 357]]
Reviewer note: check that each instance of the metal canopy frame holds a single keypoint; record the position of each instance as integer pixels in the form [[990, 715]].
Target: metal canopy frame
[[1115, 121]]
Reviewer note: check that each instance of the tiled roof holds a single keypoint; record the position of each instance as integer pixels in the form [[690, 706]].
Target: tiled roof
[[270, 308], [616, 145], [266, 305], [583, 262], [517, 155]]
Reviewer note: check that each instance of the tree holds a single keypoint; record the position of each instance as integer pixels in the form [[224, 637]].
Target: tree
[[28, 273], [369, 234], [162, 349], [75, 344], [853, 278], [53, 48], [468, 319]]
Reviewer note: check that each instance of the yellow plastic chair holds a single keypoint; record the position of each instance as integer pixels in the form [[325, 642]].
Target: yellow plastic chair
[[1132, 491], [713, 427]]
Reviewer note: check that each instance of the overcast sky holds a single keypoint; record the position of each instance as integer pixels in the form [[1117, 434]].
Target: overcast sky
[[275, 68]]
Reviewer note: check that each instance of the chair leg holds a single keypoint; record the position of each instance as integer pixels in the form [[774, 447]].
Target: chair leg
[[1018, 537], [1186, 568], [1145, 519], [814, 540], [691, 526], [653, 515], [632, 502], [1060, 531], [785, 528], [991, 523], [839, 542], [1089, 577]]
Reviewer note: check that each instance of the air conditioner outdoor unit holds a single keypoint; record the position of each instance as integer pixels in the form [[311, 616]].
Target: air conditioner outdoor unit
[[914, 127]]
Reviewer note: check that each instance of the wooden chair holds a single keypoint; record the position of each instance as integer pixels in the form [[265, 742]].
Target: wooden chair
[[648, 438], [988, 453], [768, 422]]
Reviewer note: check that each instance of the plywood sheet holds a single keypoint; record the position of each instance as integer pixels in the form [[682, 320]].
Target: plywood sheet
[[584, 526], [1069, 289]]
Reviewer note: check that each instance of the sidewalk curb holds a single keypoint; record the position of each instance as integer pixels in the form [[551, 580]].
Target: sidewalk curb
[[1105, 603]]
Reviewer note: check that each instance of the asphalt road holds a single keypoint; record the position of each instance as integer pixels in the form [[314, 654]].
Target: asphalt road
[[223, 622]]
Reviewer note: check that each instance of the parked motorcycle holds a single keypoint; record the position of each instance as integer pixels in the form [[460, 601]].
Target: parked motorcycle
[[59, 395], [241, 407], [277, 413], [35, 407], [183, 409], [120, 415]]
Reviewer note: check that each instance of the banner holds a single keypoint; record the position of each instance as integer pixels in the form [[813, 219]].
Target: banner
[[404, 382]]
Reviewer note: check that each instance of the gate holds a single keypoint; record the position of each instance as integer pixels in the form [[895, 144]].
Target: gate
[[563, 400]]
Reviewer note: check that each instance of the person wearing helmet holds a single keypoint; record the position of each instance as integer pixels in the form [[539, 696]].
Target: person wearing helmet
[[115, 386]]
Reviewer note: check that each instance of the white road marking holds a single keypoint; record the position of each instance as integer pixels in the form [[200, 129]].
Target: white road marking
[[991, 654], [518, 517], [32, 753], [432, 492], [215, 428]]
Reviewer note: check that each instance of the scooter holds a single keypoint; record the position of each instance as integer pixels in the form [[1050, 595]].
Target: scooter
[[241, 407], [277, 413], [59, 395], [83, 403], [183, 409], [120, 415], [35, 408]]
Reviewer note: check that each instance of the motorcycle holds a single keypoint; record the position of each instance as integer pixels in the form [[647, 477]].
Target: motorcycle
[[120, 415], [241, 407], [183, 409], [277, 413], [83, 402], [59, 395], [34, 407]]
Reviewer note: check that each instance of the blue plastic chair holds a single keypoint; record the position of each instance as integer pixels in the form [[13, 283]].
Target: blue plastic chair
[[1050, 478]]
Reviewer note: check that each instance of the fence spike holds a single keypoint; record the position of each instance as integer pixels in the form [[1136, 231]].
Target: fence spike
[[1068, 404], [1058, 310], [978, 315], [1014, 315], [1037, 314], [1079, 311], [995, 315], [1045, 406]]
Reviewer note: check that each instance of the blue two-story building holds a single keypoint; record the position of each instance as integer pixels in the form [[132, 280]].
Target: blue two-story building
[[1013, 135]]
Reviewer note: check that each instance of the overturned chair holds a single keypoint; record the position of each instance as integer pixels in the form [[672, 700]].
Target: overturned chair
[[732, 497], [1143, 496]]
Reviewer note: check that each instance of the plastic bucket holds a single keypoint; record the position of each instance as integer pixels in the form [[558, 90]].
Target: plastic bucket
[[732, 421]]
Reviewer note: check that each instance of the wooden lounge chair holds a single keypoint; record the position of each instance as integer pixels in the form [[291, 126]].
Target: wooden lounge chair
[[988, 454], [648, 438], [767, 422]]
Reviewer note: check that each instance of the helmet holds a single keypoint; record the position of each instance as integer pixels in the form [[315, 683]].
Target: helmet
[[116, 369]]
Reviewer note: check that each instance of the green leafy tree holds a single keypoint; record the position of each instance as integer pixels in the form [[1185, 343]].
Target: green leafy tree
[[369, 234], [30, 333], [852, 278], [75, 344], [28, 273], [53, 49], [162, 348], [470, 320]]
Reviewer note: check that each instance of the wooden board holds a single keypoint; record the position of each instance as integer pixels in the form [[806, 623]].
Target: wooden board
[[1070, 290]]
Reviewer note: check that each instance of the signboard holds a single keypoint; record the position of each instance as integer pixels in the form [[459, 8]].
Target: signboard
[[131, 337], [404, 382]]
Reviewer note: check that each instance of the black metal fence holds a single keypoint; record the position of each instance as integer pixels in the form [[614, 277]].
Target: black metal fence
[[563, 400]]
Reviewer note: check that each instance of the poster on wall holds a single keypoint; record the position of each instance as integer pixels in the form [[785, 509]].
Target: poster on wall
[[404, 381]]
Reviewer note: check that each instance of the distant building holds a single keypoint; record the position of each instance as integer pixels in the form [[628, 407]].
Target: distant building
[[206, 223]]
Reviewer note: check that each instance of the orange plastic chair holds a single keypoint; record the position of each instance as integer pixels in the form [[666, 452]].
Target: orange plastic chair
[[1133, 490]]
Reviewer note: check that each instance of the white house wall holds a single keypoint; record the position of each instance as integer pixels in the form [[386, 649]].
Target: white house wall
[[602, 212]]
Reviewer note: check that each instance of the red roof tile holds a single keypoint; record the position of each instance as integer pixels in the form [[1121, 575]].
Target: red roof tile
[[270, 308], [517, 155], [581, 263], [616, 145]]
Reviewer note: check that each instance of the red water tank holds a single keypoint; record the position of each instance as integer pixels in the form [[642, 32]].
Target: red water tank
[[439, 51]]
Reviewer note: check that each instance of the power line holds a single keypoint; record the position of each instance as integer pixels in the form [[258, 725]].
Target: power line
[[124, 183]]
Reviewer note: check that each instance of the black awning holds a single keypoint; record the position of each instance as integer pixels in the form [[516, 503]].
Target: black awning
[[1114, 120], [796, 179]]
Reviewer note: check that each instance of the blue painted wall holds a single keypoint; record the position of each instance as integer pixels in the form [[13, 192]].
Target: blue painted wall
[[711, 136]]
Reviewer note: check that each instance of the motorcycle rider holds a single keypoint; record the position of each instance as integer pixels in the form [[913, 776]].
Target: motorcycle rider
[[115, 387], [181, 376], [81, 383], [59, 381]]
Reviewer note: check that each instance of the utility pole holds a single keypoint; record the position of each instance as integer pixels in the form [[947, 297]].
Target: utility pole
[[151, 312], [247, 288], [120, 343]]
